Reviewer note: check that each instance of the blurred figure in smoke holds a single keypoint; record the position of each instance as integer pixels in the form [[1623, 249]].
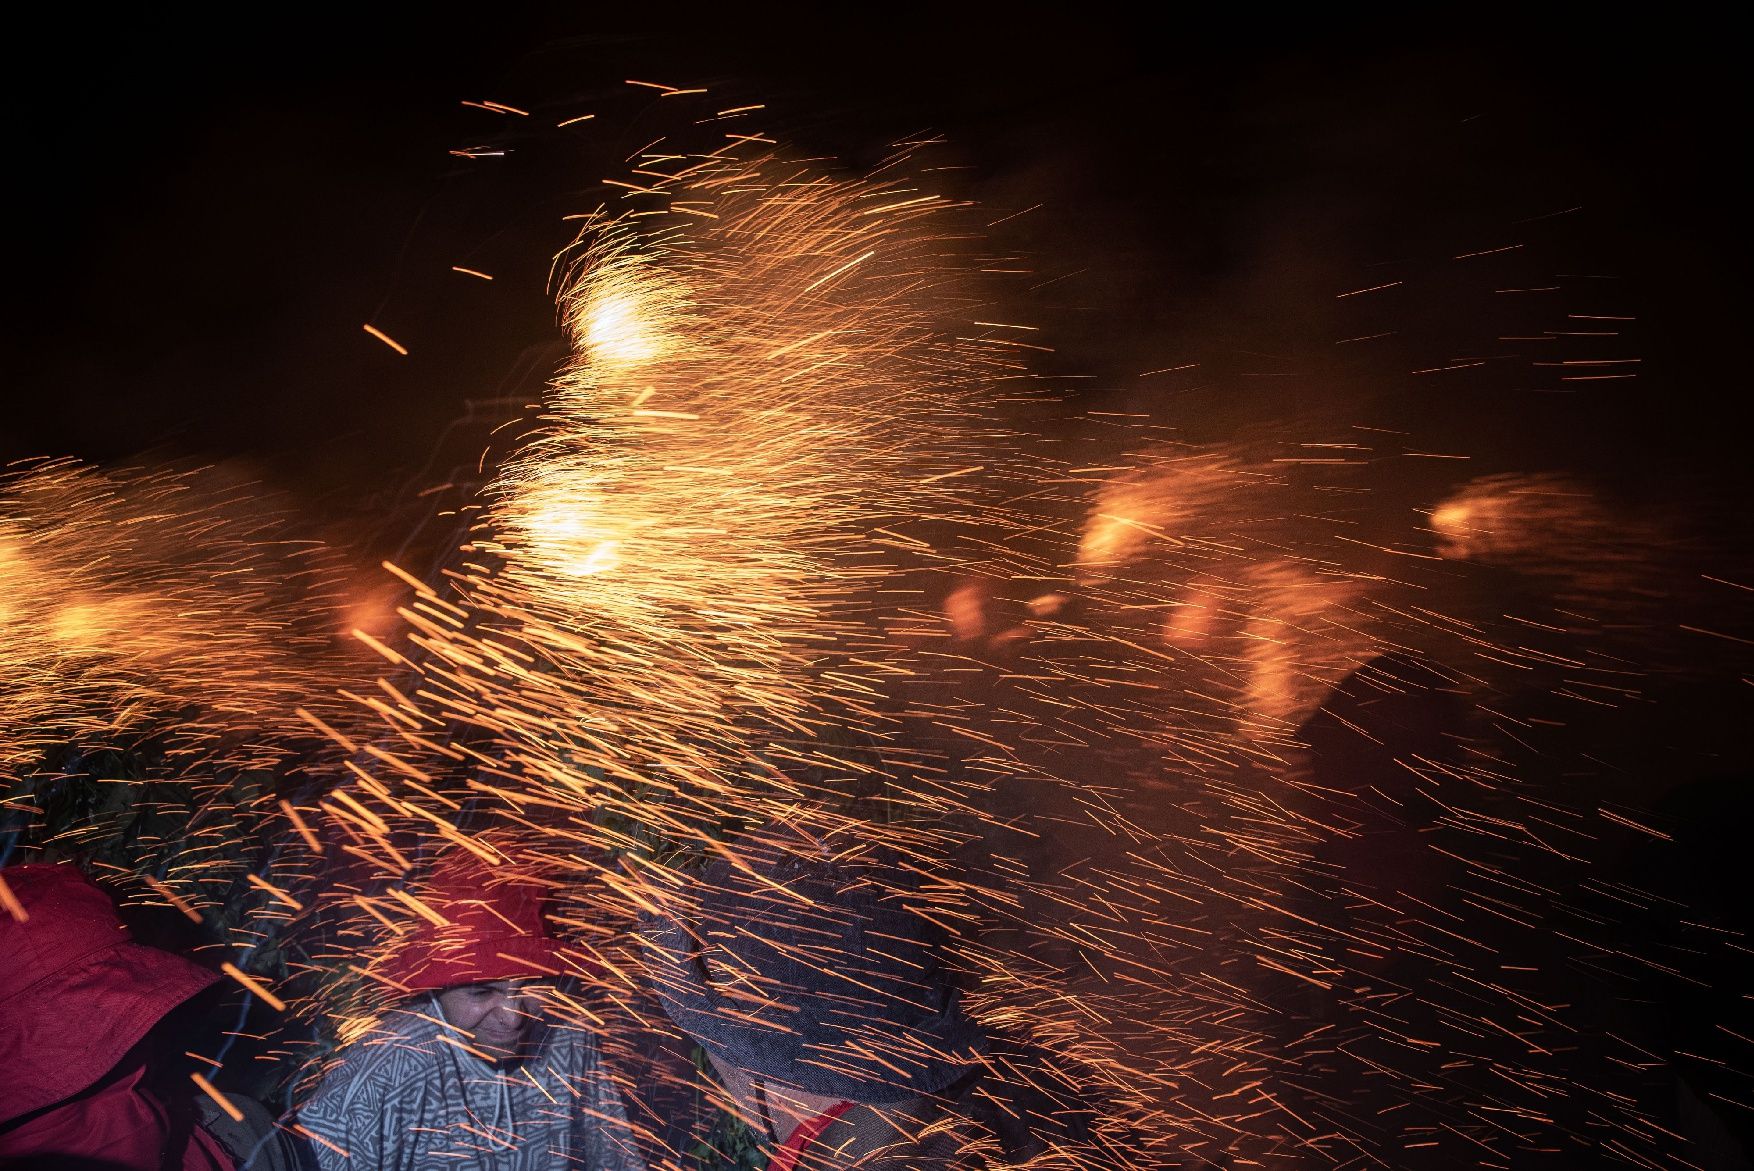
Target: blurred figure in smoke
[[828, 1012], [472, 1069], [91, 1037]]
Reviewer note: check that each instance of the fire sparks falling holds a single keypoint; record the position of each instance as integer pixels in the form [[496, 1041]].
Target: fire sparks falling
[[702, 597], [167, 640], [768, 393], [133, 595]]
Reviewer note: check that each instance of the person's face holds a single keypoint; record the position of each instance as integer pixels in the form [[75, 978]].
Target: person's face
[[498, 1015]]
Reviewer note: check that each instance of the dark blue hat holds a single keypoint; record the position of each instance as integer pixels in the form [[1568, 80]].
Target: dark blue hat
[[793, 965]]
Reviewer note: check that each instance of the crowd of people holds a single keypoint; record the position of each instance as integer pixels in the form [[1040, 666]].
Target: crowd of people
[[824, 1005]]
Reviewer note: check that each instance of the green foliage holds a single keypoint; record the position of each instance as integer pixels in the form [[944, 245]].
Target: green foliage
[[126, 815], [729, 1145]]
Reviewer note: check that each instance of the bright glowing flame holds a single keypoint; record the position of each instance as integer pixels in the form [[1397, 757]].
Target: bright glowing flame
[[627, 316], [617, 334], [557, 535]]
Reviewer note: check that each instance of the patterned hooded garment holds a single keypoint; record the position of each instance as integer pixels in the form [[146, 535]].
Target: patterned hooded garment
[[405, 1098], [412, 1095]]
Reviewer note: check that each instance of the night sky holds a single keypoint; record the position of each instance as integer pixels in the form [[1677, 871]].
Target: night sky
[[207, 214]]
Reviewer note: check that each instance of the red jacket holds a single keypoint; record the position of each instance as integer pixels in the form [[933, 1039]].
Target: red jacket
[[77, 995]]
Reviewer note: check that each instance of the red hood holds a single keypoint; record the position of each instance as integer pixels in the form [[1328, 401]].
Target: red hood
[[76, 993], [495, 929]]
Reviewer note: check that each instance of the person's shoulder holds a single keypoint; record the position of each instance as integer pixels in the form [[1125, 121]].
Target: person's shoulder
[[384, 1064], [576, 1032], [571, 1051]]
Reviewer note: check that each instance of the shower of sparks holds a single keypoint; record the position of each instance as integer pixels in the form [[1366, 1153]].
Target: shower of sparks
[[169, 625], [772, 555]]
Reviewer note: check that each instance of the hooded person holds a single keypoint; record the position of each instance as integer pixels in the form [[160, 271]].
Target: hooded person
[[88, 1074], [473, 1067], [827, 1007]]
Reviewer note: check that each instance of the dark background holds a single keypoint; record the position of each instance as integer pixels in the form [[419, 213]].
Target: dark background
[[207, 210]]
